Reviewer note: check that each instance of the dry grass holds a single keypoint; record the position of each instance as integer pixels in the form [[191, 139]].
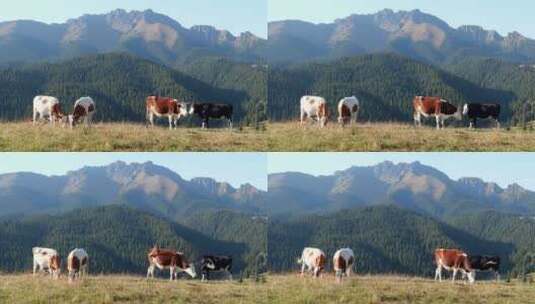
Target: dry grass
[[105, 137], [289, 136], [391, 289], [126, 289]]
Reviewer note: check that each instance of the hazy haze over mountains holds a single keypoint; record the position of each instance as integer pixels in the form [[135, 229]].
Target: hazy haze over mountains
[[411, 33], [143, 33], [414, 186], [145, 186]]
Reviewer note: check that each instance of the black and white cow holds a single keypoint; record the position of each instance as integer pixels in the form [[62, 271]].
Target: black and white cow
[[478, 110], [211, 110], [485, 263], [215, 263]]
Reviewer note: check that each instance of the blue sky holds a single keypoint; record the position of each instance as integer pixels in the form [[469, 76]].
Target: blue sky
[[234, 15], [234, 168], [500, 15], [502, 168]]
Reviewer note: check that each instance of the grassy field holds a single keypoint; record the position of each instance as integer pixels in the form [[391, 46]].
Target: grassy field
[[290, 136], [23, 136], [391, 289], [126, 289]]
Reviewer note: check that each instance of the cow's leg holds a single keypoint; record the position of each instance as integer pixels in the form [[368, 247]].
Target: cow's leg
[[497, 123], [497, 274], [438, 120], [34, 117], [171, 273], [438, 273], [454, 275], [229, 275], [34, 267], [303, 266], [302, 117], [170, 117], [150, 271], [230, 123]]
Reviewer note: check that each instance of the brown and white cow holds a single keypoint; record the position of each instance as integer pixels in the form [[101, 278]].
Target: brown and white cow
[[343, 260], [46, 259], [84, 109], [46, 107], [453, 260], [172, 259], [165, 106], [348, 110], [441, 109], [77, 263], [312, 260], [314, 107]]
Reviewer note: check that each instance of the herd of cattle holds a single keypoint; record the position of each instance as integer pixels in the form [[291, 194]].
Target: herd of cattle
[[314, 261], [48, 260], [49, 108], [315, 108]]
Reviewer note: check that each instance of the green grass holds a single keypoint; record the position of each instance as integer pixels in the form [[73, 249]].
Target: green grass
[[126, 289], [292, 288], [290, 136], [23, 136]]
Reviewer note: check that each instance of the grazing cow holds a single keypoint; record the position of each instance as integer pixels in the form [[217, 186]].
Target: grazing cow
[[343, 260], [434, 106], [211, 110], [485, 263], [84, 108], [77, 263], [483, 111], [348, 110], [314, 107], [46, 259], [215, 263], [312, 259], [453, 260], [165, 106], [172, 259], [47, 107]]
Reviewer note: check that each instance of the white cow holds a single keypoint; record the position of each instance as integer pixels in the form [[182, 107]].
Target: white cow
[[84, 108], [312, 259], [348, 110], [343, 260], [46, 107], [77, 263], [46, 259], [314, 107]]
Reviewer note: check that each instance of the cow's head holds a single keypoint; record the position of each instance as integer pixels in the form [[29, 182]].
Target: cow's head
[[192, 108], [189, 268], [55, 266], [207, 263], [182, 108], [71, 120], [459, 113]]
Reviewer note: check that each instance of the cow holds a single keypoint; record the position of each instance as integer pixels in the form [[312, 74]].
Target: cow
[[212, 110], [314, 107], [77, 263], [46, 259], [312, 259], [215, 263], [453, 260], [485, 263], [47, 107], [165, 106], [166, 258], [348, 110], [343, 260], [477, 110], [441, 109], [84, 108]]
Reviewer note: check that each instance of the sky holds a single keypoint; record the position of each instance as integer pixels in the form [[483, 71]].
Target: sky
[[502, 16], [234, 168], [234, 15], [501, 168]]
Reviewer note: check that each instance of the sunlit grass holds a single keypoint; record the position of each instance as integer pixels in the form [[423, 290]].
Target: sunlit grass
[[23, 136], [290, 136]]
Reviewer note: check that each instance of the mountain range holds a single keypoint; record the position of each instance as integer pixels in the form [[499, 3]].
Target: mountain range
[[414, 34], [413, 186], [146, 186], [147, 34]]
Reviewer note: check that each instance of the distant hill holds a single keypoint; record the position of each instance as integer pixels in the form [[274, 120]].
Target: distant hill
[[414, 186], [146, 34], [117, 239], [120, 83], [414, 34], [144, 186], [385, 239], [384, 83]]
